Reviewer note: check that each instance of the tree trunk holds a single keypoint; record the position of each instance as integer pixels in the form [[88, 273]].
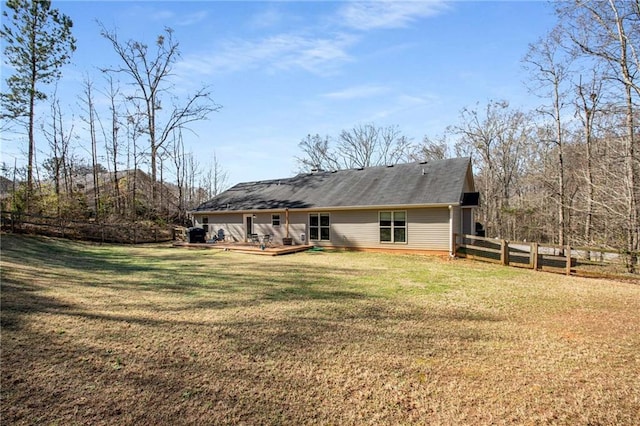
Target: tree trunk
[[632, 182], [32, 100]]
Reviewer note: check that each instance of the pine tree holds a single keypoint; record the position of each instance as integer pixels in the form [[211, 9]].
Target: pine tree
[[38, 42]]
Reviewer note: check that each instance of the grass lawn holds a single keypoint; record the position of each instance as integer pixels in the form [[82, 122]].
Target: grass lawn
[[158, 335]]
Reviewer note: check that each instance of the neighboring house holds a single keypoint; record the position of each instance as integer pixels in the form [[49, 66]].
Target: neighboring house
[[416, 206]]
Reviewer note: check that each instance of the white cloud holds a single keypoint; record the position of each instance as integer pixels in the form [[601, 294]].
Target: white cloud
[[387, 14], [269, 18], [279, 52], [161, 15], [192, 18], [401, 104], [318, 53], [357, 92]]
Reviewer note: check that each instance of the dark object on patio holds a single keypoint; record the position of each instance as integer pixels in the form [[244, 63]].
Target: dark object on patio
[[219, 237], [196, 235], [287, 241]]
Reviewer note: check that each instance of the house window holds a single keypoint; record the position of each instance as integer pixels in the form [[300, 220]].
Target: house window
[[393, 227], [319, 227], [275, 220], [205, 224]]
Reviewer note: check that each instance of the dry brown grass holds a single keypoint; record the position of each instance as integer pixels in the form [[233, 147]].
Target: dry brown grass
[[155, 335]]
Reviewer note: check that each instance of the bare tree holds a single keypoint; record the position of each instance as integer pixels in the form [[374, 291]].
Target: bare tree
[[134, 158], [151, 72], [112, 141], [368, 145], [59, 142], [91, 120], [587, 109], [609, 32], [216, 178], [498, 139], [432, 149], [549, 71], [180, 167], [361, 146], [318, 154]]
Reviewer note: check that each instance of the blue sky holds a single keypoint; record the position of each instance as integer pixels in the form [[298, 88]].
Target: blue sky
[[282, 70]]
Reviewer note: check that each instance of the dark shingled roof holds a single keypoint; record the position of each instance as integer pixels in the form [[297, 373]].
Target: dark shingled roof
[[433, 182]]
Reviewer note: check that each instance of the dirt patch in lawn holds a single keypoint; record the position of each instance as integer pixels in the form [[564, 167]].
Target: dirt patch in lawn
[[155, 335]]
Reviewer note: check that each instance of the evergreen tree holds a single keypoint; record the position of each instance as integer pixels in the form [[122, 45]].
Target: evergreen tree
[[38, 41]]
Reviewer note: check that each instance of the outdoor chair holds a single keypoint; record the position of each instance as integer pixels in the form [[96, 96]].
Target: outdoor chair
[[254, 239], [266, 240], [218, 237]]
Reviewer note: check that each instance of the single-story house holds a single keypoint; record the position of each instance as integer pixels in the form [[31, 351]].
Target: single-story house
[[411, 207]]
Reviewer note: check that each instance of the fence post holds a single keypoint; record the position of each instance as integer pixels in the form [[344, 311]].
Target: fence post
[[504, 252], [455, 244], [568, 255], [533, 261]]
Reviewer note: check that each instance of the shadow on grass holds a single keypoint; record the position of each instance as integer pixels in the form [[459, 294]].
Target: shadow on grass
[[241, 356], [48, 261]]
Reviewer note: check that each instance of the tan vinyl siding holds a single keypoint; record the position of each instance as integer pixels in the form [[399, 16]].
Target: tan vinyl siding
[[457, 219], [356, 229], [231, 223], [298, 222], [427, 229]]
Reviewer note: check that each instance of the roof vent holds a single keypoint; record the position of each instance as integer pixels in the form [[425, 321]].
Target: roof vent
[[389, 165], [423, 162], [360, 168]]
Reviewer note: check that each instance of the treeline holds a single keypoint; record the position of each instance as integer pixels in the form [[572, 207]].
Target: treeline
[[567, 172], [140, 128]]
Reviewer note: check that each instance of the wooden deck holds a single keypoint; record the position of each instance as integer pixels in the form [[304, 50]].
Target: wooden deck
[[270, 250]]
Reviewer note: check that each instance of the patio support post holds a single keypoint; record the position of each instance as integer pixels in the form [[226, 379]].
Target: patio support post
[[286, 219], [451, 235]]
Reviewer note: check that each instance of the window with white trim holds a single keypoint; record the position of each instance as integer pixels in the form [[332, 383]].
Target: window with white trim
[[393, 227], [275, 220], [319, 227]]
